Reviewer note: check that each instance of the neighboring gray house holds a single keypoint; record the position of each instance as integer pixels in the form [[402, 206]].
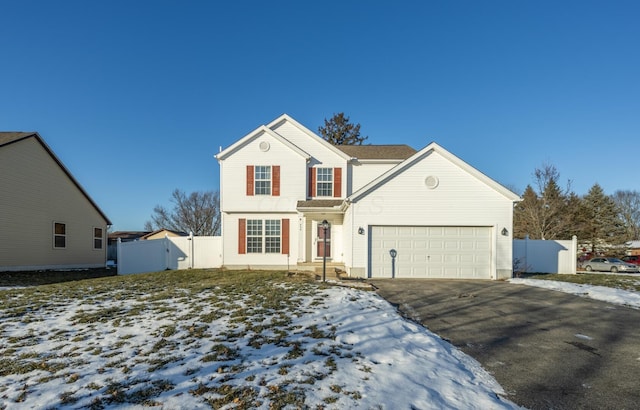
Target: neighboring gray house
[[442, 217], [47, 220]]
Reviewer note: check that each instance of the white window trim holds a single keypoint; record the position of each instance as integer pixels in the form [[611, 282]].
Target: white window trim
[[263, 237], [256, 180], [94, 237], [329, 182], [55, 235]]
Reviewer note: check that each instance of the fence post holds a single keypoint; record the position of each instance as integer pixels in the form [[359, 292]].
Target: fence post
[[574, 254], [526, 253], [167, 259], [192, 249], [118, 255]]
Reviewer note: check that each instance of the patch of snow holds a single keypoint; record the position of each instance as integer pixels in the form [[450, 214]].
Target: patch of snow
[[392, 363], [603, 293]]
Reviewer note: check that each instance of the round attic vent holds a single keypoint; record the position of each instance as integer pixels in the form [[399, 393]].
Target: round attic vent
[[264, 146], [431, 181]]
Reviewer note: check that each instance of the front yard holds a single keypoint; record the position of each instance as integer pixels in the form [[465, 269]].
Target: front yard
[[215, 339]]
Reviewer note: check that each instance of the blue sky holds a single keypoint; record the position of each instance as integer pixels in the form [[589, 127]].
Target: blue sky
[[136, 97]]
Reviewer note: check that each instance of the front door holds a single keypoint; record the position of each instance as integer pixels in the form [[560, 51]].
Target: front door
[[324, 242]]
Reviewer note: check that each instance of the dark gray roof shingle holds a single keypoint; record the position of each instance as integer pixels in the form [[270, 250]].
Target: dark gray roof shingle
[[400, 152]]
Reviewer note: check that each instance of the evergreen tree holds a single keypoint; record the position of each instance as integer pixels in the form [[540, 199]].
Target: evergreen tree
[[339, 131], [602, 224]]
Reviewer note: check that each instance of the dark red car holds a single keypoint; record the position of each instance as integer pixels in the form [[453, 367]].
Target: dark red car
[[635, 259]]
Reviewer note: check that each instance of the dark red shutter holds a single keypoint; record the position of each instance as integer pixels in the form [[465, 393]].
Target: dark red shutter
[[337, 182], [242, 236], [275, 181], [250, 175], [285, 236], [312, 182]]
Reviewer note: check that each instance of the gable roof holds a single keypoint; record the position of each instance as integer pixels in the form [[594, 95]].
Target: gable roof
[[7, 138], [286, 118], [418, 156], [365, 152], [157, 231], [255, 134]]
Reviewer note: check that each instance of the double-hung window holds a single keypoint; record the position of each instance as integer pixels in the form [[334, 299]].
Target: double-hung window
[[272, 236], [97, 238], [324, 181], [263, 236], [263, 180], [254, 235], [59, 235]]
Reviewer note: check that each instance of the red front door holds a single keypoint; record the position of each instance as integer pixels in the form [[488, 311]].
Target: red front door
[[324, 242]]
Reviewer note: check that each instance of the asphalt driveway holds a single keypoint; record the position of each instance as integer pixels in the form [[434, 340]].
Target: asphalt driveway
[[548, 349]]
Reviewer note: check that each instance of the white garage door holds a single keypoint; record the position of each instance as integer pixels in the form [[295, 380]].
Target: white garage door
[[430, 252]]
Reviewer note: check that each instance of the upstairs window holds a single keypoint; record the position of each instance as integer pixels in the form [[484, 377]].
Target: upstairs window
[[97, 238], [263, 180], [324, 181], [59, 235]]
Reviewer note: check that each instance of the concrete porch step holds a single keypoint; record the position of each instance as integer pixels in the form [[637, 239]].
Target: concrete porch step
[[334, 270]]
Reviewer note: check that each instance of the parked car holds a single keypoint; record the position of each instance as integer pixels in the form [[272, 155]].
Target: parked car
[[635, 259], [610, 265]]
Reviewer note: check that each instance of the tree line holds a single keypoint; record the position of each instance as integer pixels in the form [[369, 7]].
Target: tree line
[[603, 223]]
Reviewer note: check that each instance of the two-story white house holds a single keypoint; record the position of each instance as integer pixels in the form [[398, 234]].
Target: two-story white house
[[391, 211]]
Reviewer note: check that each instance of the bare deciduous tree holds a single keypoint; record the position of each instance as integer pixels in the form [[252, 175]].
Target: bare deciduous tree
[[198, 212], [629, 205], [544, 214]]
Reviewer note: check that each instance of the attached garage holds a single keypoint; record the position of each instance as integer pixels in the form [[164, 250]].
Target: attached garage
[[463, 252]]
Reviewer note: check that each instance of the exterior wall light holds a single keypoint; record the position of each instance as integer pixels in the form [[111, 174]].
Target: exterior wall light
[[505, 232]]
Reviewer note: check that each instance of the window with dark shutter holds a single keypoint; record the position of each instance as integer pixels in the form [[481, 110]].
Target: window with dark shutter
[[337, 182], [250, 187], [275, 180], [242, 236], [285, 236], [312, 182]]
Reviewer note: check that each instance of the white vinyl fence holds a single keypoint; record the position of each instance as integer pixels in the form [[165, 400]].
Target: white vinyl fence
[[183, 252], [545, 256]]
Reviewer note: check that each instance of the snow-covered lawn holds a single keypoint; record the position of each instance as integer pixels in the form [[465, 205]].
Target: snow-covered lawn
[[177, 342]]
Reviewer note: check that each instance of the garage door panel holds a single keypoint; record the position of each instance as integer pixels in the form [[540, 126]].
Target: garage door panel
[[431, 252]]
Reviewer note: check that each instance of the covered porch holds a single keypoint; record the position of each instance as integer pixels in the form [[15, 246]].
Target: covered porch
[[321, 234]]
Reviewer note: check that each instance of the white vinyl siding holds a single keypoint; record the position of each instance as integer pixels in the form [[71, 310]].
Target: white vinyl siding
[[234, 259], [293, 180], [459, 199]]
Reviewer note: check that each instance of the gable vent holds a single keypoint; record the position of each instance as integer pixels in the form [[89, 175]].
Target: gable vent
[[264, 146], [431, 182]]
